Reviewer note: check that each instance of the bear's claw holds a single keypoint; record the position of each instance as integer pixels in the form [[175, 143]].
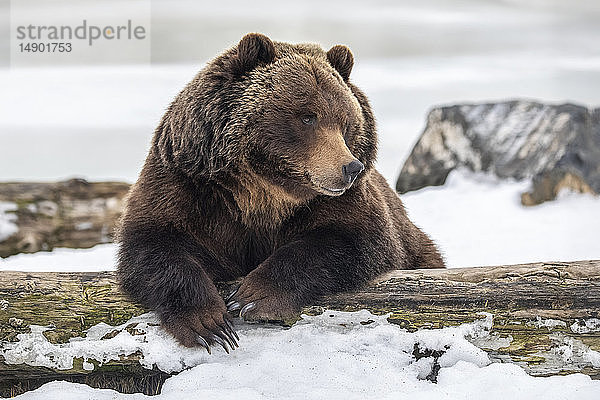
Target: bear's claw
[[247, 308], [203, 343], [204, 328], [231, 330], [228, 337], [232, 293], [229, 334], [259, 300], [223, 343], [233, 305]]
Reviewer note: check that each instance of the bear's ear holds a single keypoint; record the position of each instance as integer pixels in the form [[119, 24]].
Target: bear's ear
[[340, 57], [253, 49]]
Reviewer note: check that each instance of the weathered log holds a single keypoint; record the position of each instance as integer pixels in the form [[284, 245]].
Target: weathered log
[[74, 213], [517, 295]]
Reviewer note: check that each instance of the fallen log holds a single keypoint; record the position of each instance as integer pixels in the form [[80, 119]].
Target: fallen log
[[537, 308], [73, 213]]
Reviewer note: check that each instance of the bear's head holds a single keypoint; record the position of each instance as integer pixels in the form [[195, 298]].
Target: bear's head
[[287, 114]]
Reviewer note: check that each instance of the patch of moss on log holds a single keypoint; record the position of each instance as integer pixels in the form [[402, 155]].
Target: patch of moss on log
[[69, 303]]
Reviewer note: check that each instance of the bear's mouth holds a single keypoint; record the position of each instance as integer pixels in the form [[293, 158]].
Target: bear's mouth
[[331, 191], [324, 187]]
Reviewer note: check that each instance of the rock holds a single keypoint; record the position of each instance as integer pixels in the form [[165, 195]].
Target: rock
[[554, 146], [73, 213]]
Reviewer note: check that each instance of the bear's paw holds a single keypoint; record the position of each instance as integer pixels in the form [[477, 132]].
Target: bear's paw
[[258, 300], [204, 327]]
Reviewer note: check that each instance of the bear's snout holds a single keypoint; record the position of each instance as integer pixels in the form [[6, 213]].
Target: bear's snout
[[331, 165], [350, 171]]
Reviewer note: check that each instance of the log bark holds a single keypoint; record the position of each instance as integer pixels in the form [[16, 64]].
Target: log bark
[[520, 297], [73, 213]]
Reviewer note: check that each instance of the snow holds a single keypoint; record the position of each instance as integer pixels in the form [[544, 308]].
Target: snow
[[547, 323], [464, 381], [586, 326], [346, 333], [336, 355], [478, 220], [157, 347], [7, 220], [569, 350], [98, 258]]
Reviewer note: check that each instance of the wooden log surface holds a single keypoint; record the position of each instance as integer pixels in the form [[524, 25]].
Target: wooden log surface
[[520, 297], [73, 213]]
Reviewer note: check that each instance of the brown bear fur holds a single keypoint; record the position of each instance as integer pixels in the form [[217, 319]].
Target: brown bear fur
[[248, 175]]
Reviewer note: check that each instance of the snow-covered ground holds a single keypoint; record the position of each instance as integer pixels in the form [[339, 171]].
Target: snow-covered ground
[[479, 220], [99, 258], [335, 355]]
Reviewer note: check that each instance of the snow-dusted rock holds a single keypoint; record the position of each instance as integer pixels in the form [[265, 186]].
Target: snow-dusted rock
[[555, 146]]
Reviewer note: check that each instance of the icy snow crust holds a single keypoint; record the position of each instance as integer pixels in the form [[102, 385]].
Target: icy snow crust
[[336, 355], [357, 334], [589, 325]]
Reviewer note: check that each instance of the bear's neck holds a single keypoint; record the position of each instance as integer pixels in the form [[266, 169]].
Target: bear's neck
[[263, 204]]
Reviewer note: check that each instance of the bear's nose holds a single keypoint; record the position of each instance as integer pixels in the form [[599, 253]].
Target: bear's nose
[[351, 171]]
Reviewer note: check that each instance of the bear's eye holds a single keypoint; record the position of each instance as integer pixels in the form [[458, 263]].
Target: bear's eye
[[309, 119]]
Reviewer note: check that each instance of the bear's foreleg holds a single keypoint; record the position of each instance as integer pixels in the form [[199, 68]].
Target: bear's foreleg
[[163, 270]]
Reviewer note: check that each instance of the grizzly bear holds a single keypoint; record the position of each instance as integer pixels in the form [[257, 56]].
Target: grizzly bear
[[262, 168]]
